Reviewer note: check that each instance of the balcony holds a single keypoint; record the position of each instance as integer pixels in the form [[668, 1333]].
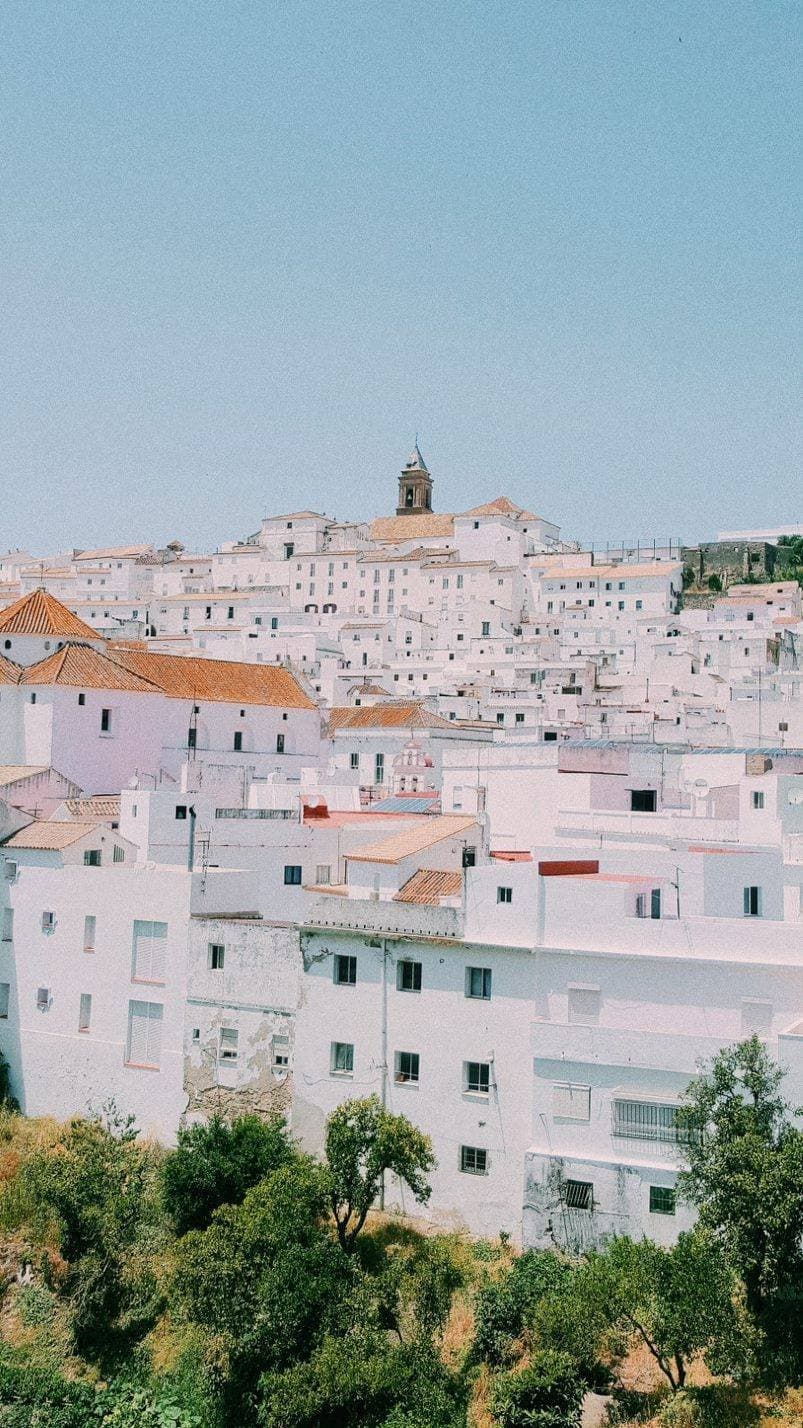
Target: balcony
[[390, 919]]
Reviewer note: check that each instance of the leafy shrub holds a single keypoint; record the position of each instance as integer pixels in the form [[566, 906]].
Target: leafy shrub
[[717, 1406], [217, 1162], [506, 1306], [547, 1394]]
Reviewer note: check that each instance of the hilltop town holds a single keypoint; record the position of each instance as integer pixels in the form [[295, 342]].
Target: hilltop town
[[438, 806]]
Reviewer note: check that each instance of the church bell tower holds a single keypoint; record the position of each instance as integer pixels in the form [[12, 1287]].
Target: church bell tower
[[415, 487]]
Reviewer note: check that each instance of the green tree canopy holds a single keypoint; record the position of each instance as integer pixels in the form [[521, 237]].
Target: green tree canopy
[[363, 1142], [216, 1162], [744, 1173]]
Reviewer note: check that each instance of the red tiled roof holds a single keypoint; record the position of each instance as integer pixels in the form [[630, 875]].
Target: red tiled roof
[[42, 614], [428, 886]]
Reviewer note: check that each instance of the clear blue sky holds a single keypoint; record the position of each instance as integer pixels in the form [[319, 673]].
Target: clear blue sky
[[248, 248]]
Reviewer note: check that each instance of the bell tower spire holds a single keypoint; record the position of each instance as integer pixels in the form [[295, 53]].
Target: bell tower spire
[[415, 486]]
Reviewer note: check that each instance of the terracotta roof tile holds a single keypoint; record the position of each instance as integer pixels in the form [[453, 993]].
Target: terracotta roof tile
[[217, 680], [428, 887], [9, 672], [16, 773], [83, 667], [410, 715], [431, 830], [42, 614], [396, 528], [99, 805], [49, 837]]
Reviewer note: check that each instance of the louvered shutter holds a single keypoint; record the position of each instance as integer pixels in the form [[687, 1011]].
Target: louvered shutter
[[138, 1033]]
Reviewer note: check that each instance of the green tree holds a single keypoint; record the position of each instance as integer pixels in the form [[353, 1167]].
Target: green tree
[[546, 1394], [505, 1306], [715, 582], [744, 1173], [677, 1302], [96, 1191], [265, 1281], [217, 1162], [363, 1142]]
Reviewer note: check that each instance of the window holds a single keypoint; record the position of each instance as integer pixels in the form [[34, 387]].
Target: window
[[92, 857], [280, 743], [144, 1034], [756, 1017], [217, 956], [238, 741], [478, 983], [48, 921], [646, 1120], [5, 993], [42, 998], [341, 1059], [649, 904], [519, 718], [89, 932], [354, 760], [757, 799], [643, 800], [192, 738], [8, 925], [408, 976], [407, 1067], [345, 970], [579, 1194], [752, 902], [473, 1160], [82, 699], [584, 1006], [281, 1051], [323, 873], [9, 870], [477, 1077], [292, 875], [105, 721], [84, 1012], [486, 627], [118, 853], [504, 894], [228, 1044], [662, 1200], [379, 768], [571, 1103], [181, 811], [150, 939]]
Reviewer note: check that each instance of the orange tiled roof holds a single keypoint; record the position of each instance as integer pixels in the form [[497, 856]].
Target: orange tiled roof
[[98, 805], [42, 614], [503, 506], [408, 715], [176, 676], [9, 672], [421, 835], [49, 837], [395, 528], [428, 887], [216, 680], [84, 667]]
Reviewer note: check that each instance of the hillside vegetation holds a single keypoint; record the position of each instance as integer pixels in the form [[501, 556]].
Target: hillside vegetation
[[234, 1282]]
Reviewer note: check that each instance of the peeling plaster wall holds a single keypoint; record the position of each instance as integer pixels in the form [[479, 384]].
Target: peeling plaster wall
[[621, 1204], [255, 993]]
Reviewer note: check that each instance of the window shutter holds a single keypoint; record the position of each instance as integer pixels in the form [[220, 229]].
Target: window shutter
[[584, 1005], [150, 941], [138, 1033]]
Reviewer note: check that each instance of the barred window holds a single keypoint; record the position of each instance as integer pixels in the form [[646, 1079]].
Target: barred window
[[647, 1120]]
